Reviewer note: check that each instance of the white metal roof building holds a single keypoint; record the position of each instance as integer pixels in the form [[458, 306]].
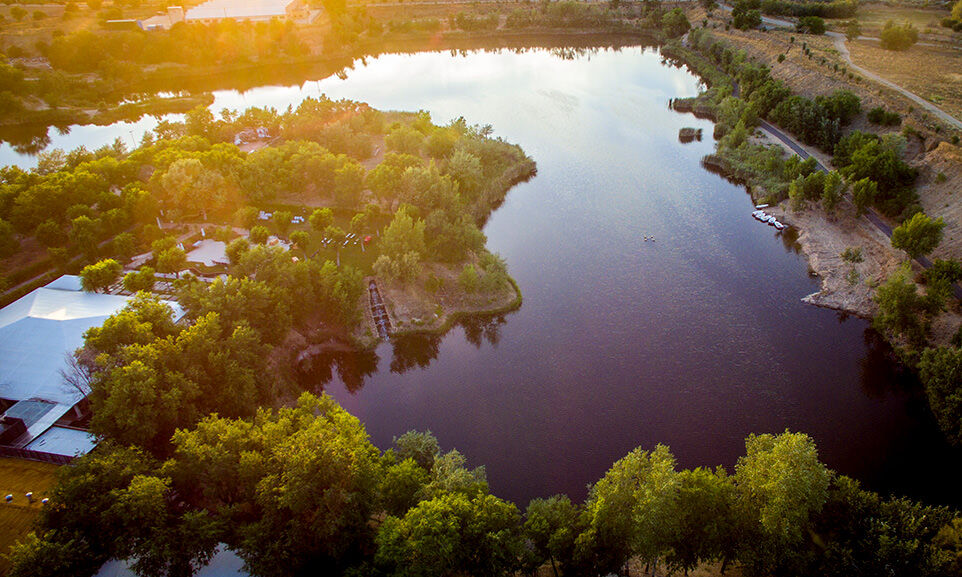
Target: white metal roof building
[[37, 333], [254, 10]]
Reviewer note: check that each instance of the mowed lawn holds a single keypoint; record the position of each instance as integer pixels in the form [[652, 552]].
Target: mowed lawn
[[17, 477]]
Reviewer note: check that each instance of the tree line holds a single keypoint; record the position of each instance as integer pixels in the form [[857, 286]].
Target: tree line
[[301, 490]]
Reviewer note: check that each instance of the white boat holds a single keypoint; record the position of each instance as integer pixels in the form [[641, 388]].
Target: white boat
[[779, 225], [761, 206], [771, 220]]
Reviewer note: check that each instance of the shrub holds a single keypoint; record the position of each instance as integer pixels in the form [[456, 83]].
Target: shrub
[[898, 37], [879, 115], [810, 25]]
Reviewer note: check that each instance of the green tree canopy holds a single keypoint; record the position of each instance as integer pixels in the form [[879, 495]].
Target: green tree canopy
[[918, 235], [99, 276]]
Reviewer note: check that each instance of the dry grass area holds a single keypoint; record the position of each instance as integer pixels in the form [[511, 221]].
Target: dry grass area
[[806, 76], [942, 195], [17, 477], [872, 17], [934, 73]]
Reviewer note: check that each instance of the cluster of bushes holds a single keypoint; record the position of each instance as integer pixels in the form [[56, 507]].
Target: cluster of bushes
[[832, 9], [469, 23], [421, 25], [810, 25], [879, 115], [564, 14], [302, 490], [864, 155], [442, 204]]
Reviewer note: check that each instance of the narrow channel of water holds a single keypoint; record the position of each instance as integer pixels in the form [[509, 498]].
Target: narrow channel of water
[[695, 339]]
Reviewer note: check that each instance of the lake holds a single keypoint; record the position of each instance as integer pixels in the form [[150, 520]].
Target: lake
[[695, 339]]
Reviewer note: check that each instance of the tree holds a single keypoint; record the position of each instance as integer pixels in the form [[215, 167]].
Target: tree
[[746, 15], [468, 279], [301, 239], [402, 486], [50, 234], [321, 219], [451, 534], [422, 447], [833, 191], [141, 280], [901, 308], [124, 246], [172, 261], [99, 276], [708, 523], [192, 187], [675, 23], [259, 234], [236, 249], [440, 144], [404, 140], [8, 240], [853, 29], [84, 235], [552, 525], [957, 11], [863, 194], [941, 372], [306, 477], [282, 221], [810, 25], [405, 234], [919, 235], [349, 183], [631, 511], [782, 484], [465, 168]]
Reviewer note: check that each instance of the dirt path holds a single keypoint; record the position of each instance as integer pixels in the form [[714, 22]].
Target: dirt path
[[840, 45]]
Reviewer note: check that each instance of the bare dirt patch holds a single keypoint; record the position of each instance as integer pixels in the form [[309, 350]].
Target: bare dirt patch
[[941, 196], [824, 239]]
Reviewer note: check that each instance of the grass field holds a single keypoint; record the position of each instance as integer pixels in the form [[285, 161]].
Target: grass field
[[17, 477]]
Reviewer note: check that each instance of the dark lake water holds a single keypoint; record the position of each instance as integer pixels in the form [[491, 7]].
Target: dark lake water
[[693, 340]]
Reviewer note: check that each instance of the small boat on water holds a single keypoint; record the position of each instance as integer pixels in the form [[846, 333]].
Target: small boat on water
[[761, 206], [779, 225]]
